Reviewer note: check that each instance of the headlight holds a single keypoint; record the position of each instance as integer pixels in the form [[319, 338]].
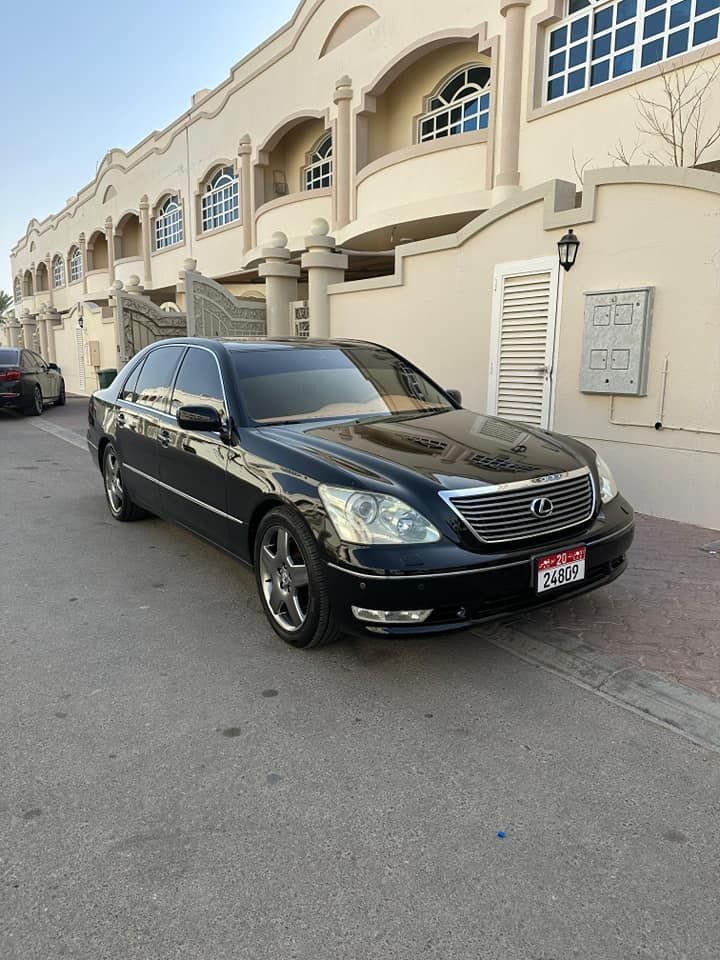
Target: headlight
[[373, 518], [608, 487]]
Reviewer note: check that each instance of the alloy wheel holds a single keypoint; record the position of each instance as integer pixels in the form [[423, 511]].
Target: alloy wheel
[[284, 578], [113, 482]]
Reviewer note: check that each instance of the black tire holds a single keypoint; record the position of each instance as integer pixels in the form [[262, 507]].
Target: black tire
[[121, 507], [275, 578], [36, 404], [60, 402]]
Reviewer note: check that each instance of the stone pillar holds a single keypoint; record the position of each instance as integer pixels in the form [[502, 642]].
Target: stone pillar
[[52, 316], [82, 241], [13, 328], [511, 92], [246, 207], [146, 243], [324, 268], [109, 236], [28, 329], [51, 278], [42, 331], [342, 163], [281, 281]]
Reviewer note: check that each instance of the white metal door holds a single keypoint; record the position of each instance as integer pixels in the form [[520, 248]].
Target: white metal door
[[522, 349]]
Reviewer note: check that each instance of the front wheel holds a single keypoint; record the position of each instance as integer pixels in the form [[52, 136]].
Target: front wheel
[[121, 506], [291, 581]]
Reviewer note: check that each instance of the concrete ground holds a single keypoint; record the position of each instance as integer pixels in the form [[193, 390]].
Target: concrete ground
[[175, 783]]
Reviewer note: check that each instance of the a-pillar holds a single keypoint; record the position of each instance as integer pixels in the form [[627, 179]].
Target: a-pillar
[[342, 161], [13, 328], [110, 248], [508, 175], [51, 278], [281, 282], [145, 226], [28, 329], [82, 241], [244, 154], [324, 268]]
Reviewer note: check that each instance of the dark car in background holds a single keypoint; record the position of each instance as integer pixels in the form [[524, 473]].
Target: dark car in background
[[364, 496], [27, 382]]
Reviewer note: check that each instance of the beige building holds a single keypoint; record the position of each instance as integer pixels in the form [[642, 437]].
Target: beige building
[[406, 179]]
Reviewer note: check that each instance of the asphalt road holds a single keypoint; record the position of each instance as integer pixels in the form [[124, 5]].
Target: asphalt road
[[175, 783]]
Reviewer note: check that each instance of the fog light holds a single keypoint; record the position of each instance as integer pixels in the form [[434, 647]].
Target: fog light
[[391, 616]]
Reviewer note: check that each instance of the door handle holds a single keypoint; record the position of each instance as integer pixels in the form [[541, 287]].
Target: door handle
[[164, 438]]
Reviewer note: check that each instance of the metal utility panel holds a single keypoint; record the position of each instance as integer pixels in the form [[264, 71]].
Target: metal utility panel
[[616, 342]]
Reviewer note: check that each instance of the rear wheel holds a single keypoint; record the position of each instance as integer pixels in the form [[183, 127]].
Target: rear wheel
[[291, 581], [60, 402], [121, 506], [36, 404]]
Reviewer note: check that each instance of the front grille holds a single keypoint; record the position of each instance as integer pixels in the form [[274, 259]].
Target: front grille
[[502, 514]]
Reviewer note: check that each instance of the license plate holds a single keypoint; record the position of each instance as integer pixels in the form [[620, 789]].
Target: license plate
[[560, 569]]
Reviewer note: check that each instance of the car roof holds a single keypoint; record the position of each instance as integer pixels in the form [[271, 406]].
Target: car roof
[[248, 344]]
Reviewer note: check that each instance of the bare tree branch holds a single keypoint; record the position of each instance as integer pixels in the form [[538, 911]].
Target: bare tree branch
[[580, 170], [620, 154]]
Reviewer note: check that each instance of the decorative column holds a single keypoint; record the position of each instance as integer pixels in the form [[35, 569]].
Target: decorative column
[[13, 327], [83, 261], [28, 328], [281, 281], [42, 331], [51, 278], [145, 225], [511, 92], [52, 316], [244, 154], [110, 248], [341, 151], [324, 268]]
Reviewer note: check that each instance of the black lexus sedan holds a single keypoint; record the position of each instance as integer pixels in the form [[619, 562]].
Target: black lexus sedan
[[27, 382], [364, 495]]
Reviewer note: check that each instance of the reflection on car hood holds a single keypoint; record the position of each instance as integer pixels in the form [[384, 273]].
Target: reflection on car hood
[[456, 449]]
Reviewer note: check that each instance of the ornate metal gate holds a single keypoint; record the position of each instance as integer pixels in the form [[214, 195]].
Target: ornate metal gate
[[139, 322], [214, 312]]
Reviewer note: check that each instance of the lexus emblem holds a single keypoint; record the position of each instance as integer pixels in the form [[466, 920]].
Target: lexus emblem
[[542, 507]]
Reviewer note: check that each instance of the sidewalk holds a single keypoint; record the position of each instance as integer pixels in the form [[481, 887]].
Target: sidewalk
[[662, 615]]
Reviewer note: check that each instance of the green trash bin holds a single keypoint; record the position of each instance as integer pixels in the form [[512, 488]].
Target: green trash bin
[[106, 377]]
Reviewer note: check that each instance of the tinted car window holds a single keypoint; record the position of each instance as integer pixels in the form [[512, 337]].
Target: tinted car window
[[198, 382], [300, 383], [9, 357], [153, 386], [39, 362], [128, 390], [28, 361]]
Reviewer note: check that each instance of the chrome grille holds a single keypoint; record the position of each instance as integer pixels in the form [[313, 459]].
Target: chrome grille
[[504, 513]]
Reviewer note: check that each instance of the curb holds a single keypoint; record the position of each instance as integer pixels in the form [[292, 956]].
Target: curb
[[687, 712]]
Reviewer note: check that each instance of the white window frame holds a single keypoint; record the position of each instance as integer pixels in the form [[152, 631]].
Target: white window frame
[[642, 13], [169, 226], [76, 264], [58, 272], [441, 116], [220, 203], [318, 174]]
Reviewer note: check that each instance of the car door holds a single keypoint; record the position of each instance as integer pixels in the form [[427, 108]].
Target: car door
[[44, 377], [193, 464], [141, 414]]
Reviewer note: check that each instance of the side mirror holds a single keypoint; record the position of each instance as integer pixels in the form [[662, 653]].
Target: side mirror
[[455, 396], [205, 419], [54, 366]]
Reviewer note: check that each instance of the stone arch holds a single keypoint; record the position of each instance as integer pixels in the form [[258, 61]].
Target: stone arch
[[97, 251], [28, 286], [282, 157], [42, 281], [109, 194], [352, 22], [128, 236]]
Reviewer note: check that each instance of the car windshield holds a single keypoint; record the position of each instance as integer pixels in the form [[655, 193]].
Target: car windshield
[[8, 357], [299, 384]]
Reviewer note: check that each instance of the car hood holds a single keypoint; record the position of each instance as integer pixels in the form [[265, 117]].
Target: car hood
[[453, 450]]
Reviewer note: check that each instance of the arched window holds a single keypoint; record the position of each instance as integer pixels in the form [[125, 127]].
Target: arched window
[[58, 269], [18, 290], [461, 105], [76, 266], [221, 199], [168, 223], [27, 284], [319, 170]]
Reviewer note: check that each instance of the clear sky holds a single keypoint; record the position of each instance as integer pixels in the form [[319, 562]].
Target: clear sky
[[79, 77]]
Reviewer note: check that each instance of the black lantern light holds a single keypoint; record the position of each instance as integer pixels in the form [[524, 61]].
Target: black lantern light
[[567, 249]]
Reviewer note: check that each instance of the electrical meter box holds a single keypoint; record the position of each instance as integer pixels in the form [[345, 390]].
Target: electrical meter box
[[616, 342], [93, 352]]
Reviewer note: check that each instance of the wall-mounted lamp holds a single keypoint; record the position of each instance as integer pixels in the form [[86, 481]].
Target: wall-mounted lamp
[[567, 249]]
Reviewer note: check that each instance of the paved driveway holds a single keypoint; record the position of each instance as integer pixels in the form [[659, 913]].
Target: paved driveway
[[175, 783]]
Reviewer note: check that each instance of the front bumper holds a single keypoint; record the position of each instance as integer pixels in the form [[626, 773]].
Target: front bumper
[[495, 587]]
